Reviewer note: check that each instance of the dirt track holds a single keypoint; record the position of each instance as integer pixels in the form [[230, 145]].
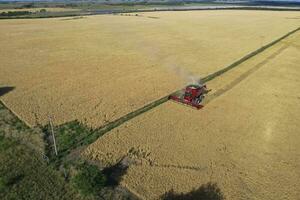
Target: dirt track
[[99, 68], [245, 139]]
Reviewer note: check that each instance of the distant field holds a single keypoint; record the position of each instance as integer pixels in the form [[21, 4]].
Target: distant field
[[245, 139], [99, 68], [42, 12], [38, 9]]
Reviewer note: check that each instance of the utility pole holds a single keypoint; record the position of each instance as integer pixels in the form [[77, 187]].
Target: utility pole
[[53, 136]]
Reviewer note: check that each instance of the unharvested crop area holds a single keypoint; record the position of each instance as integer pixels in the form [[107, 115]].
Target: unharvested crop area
[[99, 68], [245, 139]]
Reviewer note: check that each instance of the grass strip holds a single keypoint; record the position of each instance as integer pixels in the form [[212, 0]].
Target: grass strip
[[247, 57], [111, 125]]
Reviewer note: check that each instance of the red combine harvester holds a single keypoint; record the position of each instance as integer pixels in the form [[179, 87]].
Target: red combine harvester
[[192, 95]]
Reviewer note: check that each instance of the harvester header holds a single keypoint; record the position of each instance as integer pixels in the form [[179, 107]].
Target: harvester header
[[192, 95]]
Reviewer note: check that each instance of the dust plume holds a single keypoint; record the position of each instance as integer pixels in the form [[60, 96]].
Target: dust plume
[[187, 76]]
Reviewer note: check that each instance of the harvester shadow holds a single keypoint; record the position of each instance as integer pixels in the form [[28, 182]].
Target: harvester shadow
[[209, 191], [115, 173], [243, 76], [4, 90]]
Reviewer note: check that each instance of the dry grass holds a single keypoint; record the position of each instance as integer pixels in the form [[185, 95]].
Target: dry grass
[[101, 67], [245, 139]]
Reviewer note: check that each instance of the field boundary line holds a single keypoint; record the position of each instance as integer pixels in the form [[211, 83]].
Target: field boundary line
[[111, 125], [14, 113], [23, 139]]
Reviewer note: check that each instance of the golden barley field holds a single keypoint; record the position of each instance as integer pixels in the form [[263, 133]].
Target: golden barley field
[[245, 139], [99, 68]]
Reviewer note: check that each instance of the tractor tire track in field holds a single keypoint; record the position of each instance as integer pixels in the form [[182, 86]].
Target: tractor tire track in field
[[243, 76], [142, 161], [111, 125], [248, 56], [193, 168]]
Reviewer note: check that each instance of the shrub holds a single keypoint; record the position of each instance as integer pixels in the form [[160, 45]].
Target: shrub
[[3, 184], [29, 5], [14, 13], [88, 180]]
